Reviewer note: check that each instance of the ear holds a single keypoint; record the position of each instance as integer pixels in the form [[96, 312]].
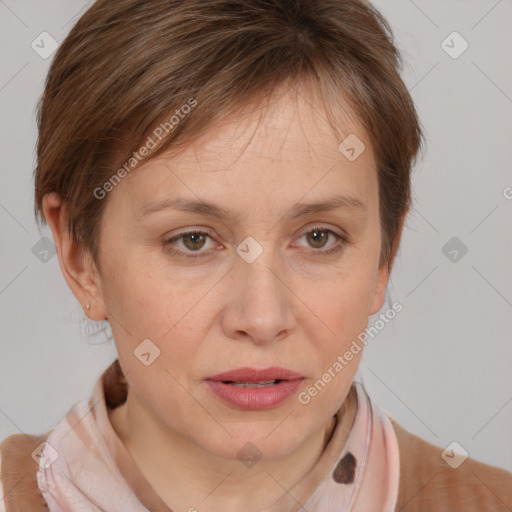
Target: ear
[[384, 271], [76, 263]]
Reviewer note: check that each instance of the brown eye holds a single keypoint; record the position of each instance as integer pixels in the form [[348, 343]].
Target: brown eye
[[193, 240], [317, 237], [191, 244]]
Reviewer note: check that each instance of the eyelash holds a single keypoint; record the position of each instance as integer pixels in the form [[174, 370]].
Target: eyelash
[[338, 247]]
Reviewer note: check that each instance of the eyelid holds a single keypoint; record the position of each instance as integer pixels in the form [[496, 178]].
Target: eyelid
[[343, 239], [325, 227], [189, 231]]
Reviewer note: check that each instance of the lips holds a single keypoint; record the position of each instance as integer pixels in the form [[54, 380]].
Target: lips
[[251, 389], [252, 375]]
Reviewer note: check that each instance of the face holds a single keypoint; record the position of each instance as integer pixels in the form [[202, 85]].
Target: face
[[261, 282]]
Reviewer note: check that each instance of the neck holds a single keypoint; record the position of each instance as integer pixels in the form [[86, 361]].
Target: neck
[[205, 481]]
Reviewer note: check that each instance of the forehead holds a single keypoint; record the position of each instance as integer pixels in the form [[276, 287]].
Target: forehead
[[263, 157], [291, 126]]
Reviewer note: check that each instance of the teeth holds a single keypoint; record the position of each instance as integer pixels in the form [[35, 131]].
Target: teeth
[[253, 384]]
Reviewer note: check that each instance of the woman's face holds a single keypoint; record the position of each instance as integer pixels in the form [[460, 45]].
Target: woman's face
[[257, 287]]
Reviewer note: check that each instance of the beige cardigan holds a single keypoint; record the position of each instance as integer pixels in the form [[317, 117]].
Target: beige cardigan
[[427, 482]]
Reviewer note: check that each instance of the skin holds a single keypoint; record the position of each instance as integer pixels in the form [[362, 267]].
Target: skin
[[292, 307]]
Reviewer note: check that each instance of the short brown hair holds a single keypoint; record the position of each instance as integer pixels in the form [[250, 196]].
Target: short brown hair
[[127, 64]]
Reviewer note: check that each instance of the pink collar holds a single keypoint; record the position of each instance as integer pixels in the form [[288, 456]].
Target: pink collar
[[85, 466]]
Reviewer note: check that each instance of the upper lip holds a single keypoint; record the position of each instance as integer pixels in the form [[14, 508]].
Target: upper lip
[[246, 374]]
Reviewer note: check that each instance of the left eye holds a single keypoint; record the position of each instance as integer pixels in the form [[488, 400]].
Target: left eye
[[318, 236], [194, 241]]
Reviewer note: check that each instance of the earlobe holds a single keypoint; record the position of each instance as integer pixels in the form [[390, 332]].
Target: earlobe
[[75, 262], [379, 290], [384, 271]]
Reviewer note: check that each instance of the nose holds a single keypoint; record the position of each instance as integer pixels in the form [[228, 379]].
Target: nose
[[262, 305]]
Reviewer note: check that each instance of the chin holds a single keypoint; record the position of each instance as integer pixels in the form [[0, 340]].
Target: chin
[[251, 451], [265, 442]]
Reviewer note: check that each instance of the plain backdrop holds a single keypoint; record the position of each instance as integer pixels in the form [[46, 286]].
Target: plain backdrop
[[442, 367]]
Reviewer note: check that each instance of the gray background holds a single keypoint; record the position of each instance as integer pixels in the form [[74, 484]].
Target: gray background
[[442, 368]]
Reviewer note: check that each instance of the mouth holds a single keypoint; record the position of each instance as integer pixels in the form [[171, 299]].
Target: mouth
[[251, 389], [252, 384], [266, 376]]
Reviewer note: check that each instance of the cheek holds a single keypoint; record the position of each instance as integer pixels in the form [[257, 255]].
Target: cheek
[[345, 298], [139, 301], [342, 310], [148, 303], [336, 351]]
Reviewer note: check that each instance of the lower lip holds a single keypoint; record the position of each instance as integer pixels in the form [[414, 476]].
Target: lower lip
[[253, 399]]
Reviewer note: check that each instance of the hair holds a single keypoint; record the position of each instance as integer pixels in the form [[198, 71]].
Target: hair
[[128, 65]]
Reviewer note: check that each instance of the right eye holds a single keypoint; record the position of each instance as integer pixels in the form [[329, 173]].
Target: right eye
[[192, 241]]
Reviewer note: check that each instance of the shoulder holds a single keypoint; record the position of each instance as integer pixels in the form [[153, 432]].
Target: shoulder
[[2, 501], [427, 482], [18, 473]]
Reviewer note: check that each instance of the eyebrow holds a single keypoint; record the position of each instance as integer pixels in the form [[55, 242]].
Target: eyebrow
[[210, 209]]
